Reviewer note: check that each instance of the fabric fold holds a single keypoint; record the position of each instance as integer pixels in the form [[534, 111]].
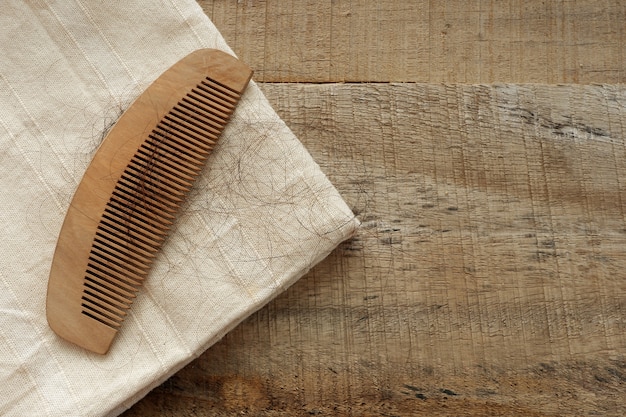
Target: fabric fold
[[260, 216]]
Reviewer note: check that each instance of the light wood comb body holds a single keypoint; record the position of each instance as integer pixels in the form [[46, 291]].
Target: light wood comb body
[[129, 194]]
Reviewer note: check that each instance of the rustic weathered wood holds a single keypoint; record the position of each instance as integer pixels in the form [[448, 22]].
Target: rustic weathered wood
[[488, 277], [129, 194], [579, 41]]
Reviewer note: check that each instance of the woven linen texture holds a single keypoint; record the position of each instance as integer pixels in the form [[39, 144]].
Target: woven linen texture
[[260, 215]]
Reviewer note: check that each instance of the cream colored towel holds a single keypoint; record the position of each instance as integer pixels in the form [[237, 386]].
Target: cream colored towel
[[259, 217]]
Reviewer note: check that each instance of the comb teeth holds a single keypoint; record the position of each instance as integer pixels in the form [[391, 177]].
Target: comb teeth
[[129, 196], [151, 188]]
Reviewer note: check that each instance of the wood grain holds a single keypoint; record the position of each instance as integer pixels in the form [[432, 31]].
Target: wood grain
[[487, 278], [477, 41]]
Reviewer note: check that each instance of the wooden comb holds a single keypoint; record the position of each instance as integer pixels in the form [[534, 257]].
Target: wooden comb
[[124, 205]]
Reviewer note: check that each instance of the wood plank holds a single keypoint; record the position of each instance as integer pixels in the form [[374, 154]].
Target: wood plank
[[488, 276], [516, 41]]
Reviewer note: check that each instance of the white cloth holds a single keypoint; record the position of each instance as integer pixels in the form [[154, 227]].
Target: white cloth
[[261, 214]]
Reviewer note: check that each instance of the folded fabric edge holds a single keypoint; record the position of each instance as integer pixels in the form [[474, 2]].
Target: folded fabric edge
[[352, 226], [344, 220], [348, 225]]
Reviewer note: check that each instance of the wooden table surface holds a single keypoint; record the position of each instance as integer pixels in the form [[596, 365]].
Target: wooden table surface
[[483, 146]]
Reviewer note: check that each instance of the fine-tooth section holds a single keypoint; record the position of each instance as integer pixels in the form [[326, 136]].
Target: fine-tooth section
[[140, 209], [157, 139], [163, 170], [176, 140], [106, 292], [127, 201], [103, 276], [158, 176], [193, 122], [210, 119]]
